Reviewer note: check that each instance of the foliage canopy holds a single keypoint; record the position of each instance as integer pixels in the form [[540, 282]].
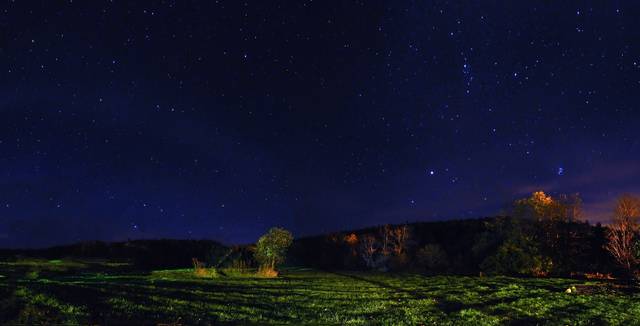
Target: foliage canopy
[[271, 248]]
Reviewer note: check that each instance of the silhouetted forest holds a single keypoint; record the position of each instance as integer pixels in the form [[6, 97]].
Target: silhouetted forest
[[457, 247], [542, 236], [142, 254], [466, 247]]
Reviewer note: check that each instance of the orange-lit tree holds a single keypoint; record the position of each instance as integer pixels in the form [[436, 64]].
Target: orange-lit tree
[[352, 242], [534, 240], [539, 207], [400, 237], [557, 226], [385, 240], [623, 233], [369, 247]]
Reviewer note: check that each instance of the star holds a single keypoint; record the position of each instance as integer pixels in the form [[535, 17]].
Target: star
[[276, 115]]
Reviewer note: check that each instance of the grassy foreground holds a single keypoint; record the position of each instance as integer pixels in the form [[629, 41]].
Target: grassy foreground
[[66, 292]]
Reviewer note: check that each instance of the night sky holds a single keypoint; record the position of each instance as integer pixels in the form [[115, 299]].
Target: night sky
[[220, 119]]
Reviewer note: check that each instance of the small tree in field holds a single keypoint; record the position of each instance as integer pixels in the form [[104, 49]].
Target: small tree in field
[[271, 250]]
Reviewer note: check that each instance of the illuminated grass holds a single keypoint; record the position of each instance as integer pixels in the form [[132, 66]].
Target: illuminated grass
[[308, 296], [45, 264]]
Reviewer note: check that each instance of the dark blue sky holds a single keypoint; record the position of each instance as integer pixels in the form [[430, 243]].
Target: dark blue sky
[[220, 119]]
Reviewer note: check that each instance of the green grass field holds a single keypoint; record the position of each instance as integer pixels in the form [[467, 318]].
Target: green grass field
[[72, 292]]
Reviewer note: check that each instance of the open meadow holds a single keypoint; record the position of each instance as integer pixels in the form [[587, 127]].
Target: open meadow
[[99, 292], [320, 163]]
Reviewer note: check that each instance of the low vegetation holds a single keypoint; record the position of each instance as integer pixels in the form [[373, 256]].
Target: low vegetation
[[540, 265], [78, 296]]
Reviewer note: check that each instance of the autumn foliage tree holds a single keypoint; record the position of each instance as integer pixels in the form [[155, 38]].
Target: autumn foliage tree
[[540, 207], [559, 231], [351, 240], [543, 235]]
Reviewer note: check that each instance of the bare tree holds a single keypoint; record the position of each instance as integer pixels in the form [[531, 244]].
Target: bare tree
[[622, 232], [368, 249], [627, 210], [621, 245], [400, 236], [572, 206], [386, 234]]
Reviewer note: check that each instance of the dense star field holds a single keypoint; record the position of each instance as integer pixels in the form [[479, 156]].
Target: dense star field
[[219, 119]]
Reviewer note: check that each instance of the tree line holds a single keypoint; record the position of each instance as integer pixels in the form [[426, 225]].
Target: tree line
[[539, 236]]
